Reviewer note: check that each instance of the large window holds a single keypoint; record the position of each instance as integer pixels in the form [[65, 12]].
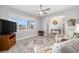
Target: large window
[[23, 24]]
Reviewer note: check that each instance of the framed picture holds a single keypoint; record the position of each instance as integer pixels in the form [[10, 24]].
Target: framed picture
[[71, 22]]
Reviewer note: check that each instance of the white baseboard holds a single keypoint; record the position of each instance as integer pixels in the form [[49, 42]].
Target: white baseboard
[[26, 37]]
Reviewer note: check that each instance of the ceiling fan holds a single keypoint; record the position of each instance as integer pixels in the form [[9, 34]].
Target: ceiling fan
[[43, 11]]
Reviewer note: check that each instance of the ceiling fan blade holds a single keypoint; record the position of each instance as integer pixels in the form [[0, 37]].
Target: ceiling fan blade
[[44, 12], [46, 9]]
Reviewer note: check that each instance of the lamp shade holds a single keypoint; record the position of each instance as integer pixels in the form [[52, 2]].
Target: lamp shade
[[77, 28]]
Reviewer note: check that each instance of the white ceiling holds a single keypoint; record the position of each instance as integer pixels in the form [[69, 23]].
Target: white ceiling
[[33, 9]]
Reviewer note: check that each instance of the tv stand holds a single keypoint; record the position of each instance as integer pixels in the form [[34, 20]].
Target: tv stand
[[7, 41]]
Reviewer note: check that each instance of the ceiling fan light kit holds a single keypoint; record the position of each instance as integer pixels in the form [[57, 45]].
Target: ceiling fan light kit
[[41, 13]]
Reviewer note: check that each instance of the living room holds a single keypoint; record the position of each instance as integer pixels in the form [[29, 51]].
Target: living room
[[56, 22]]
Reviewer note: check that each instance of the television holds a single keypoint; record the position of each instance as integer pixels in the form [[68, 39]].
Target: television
[[7, 27]]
